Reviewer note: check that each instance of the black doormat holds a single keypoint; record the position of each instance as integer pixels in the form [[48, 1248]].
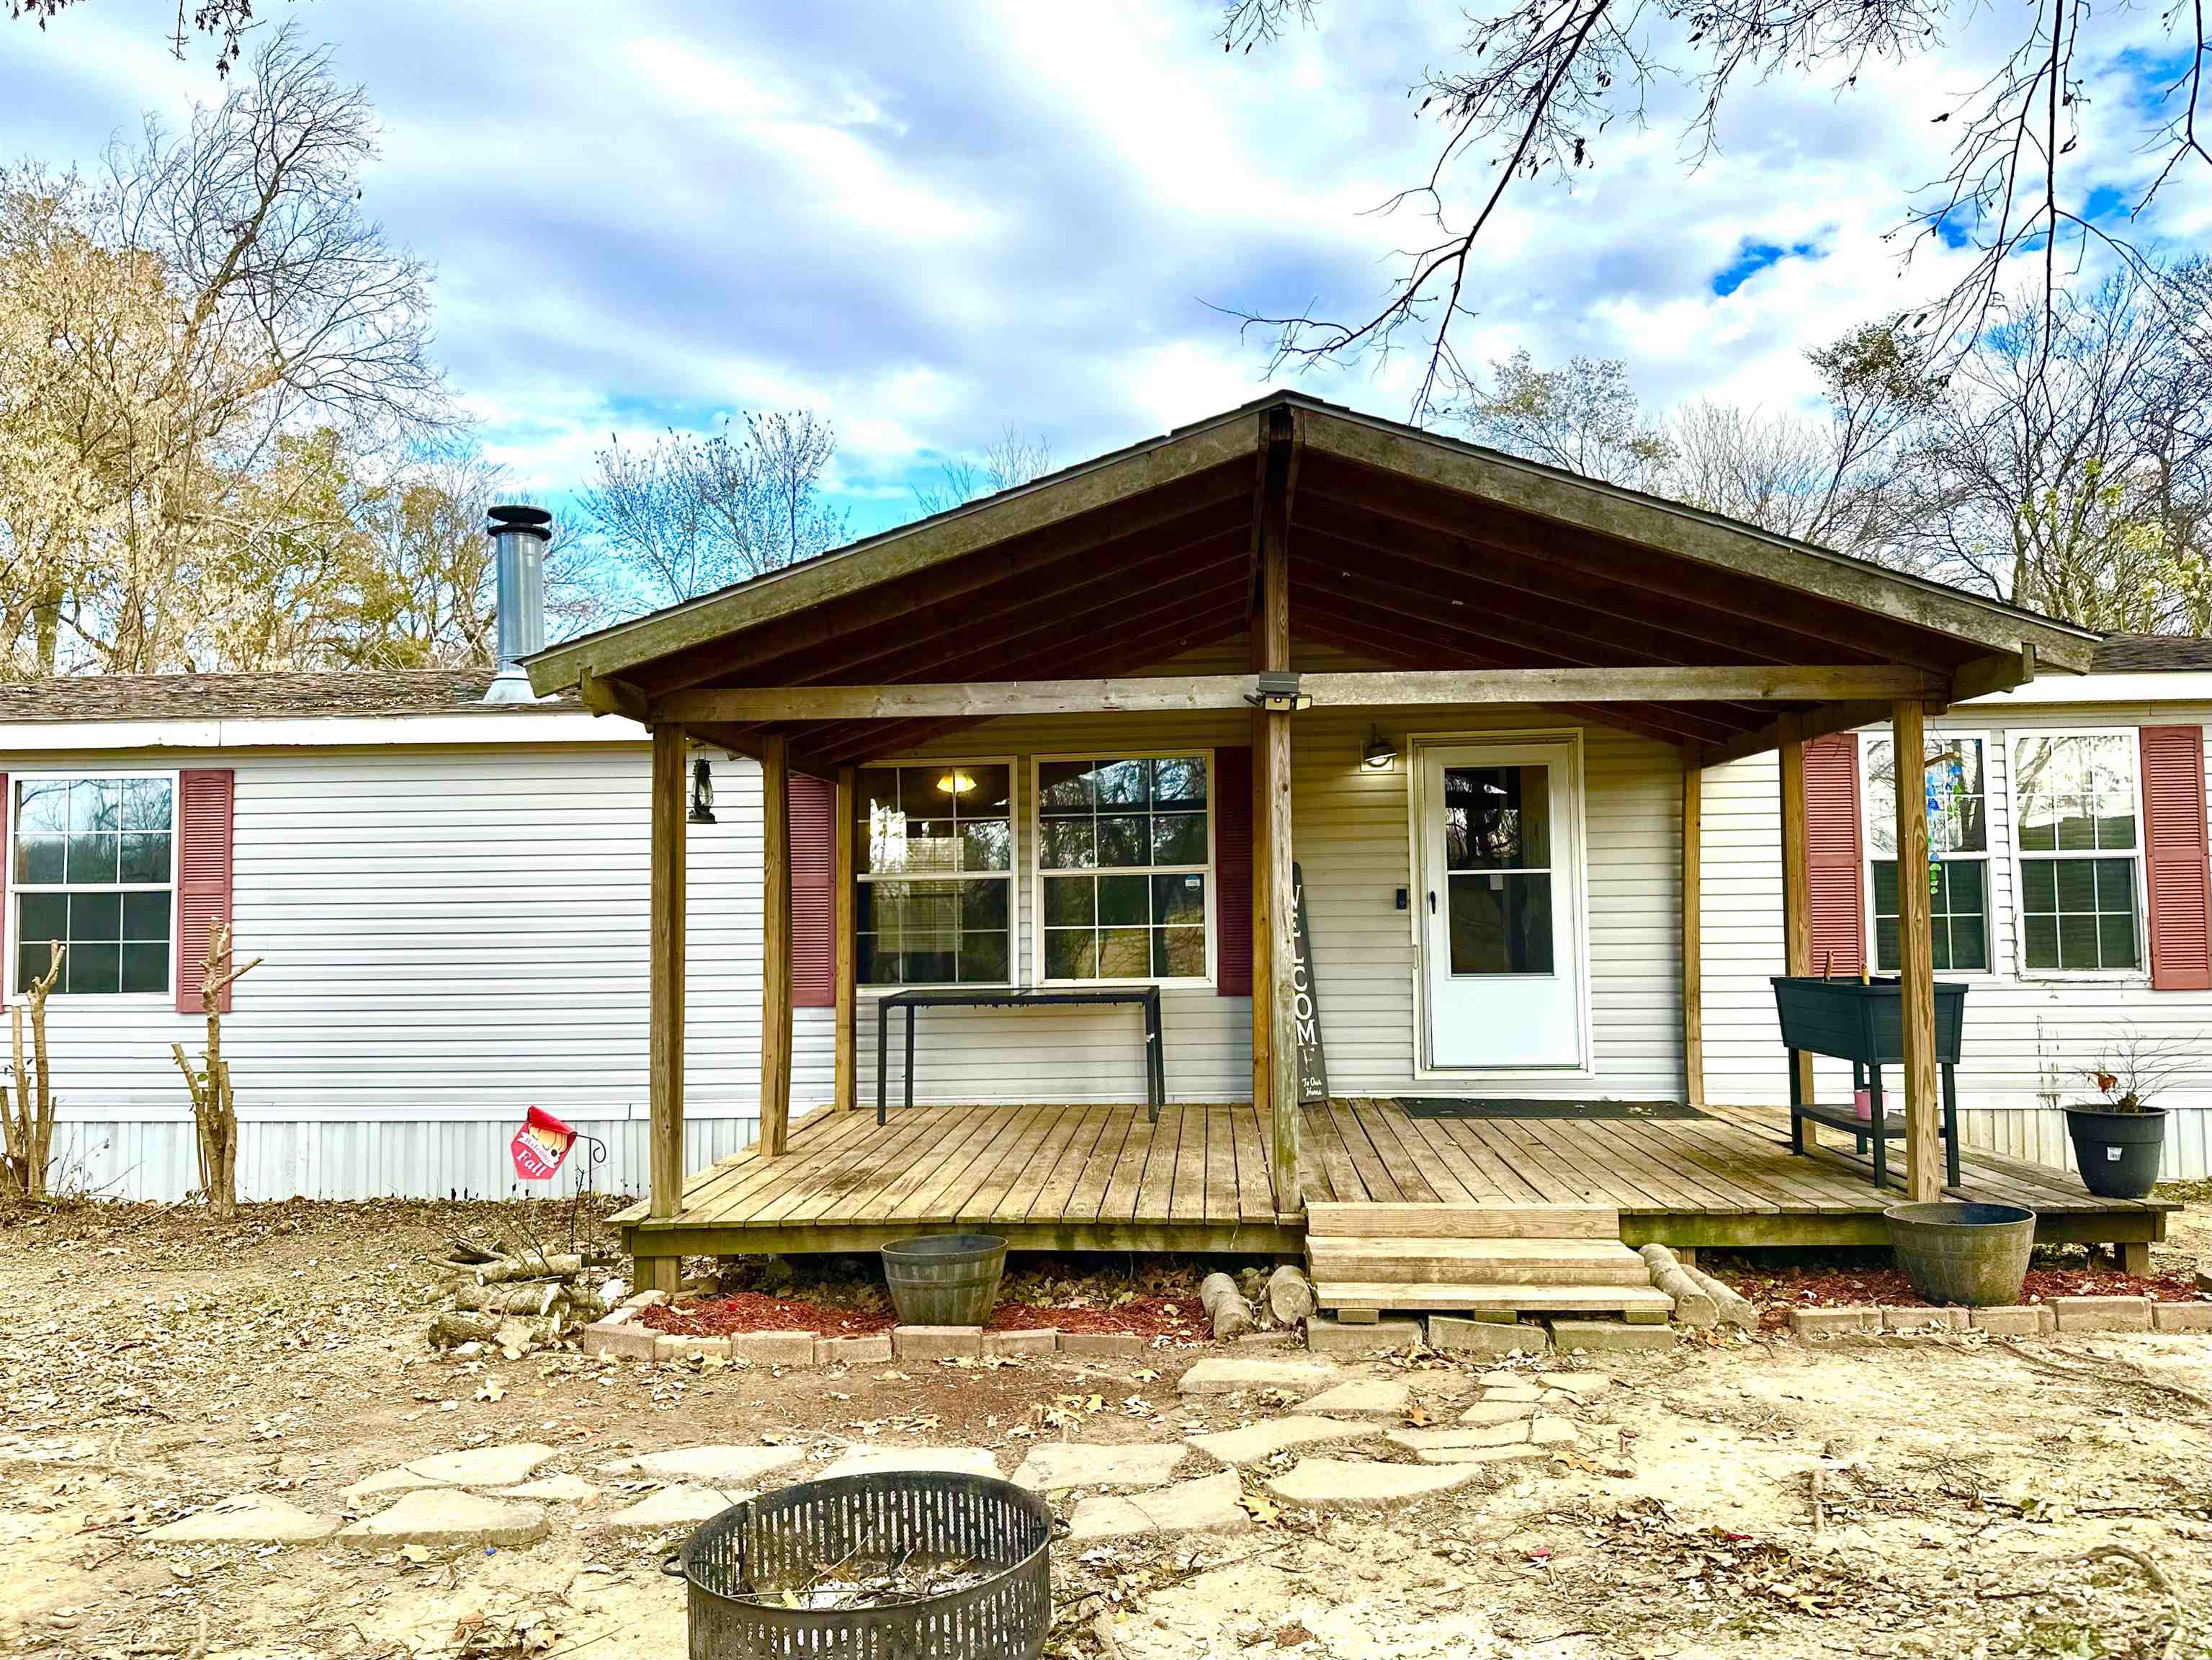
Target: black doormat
[[1586, 1110]]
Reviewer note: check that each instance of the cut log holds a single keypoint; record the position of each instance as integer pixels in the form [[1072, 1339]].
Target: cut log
[[1736, 1309], [542, 1297], [1692, 1306], [1290, 1295], [533, 1265], [449, 1329], [1226, 1306]]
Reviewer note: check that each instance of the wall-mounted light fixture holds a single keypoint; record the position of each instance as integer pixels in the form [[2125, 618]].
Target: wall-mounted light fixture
[[1380, 752], [955, 782], [1276, 691], [702, 791]]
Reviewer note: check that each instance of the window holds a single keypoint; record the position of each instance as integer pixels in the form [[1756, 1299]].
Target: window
[[2078, 838], [1125, 855], [93, 866], [934, 852], [1957, 785], [1497, 858]]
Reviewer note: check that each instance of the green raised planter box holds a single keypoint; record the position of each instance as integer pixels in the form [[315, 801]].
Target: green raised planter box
[[1864, 1022]]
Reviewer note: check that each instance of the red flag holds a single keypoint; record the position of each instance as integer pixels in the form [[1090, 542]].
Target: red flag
[[540, 1146]]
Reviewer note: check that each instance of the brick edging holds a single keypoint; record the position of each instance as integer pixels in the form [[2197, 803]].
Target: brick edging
[[619, 1336], [2060, 1314]]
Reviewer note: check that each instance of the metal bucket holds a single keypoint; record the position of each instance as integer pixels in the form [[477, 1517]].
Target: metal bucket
[[740, 1567], [944, 1279], [1960, 1252]]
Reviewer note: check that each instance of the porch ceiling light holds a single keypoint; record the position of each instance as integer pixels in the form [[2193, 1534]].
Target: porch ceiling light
[[1277, 692], [955, 782], [1379, 753], [702, 791]]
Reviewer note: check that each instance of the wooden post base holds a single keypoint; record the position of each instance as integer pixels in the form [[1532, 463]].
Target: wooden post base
[[662, 1273], [2134, 1255]]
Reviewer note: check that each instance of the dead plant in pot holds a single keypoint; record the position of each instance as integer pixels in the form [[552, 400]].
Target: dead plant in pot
[[2119, 1140]]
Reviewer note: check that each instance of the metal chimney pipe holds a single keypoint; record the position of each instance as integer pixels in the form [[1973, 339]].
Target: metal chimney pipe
[[518, 537]]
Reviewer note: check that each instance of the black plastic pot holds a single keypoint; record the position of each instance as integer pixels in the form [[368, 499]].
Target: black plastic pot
[[944, 1279], [2118, 1152], [1958, 1252]]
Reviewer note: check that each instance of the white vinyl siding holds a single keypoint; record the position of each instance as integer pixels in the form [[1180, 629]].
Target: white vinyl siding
[[2027, 1034]]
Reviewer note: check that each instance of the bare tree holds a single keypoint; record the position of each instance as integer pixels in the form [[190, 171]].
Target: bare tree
[[1585, 417], [1013, 459], [224, 22], [689, 514], [1538, 83]]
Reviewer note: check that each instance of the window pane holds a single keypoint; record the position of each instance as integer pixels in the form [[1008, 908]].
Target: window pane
[[1122, 784], [31, 962], [95, 804], [92, 858], [146, 857], [2077, 941], [1125, 954], [40, 858], [2038, 891], [1884, 887], [1497, 817], [1501, 924], [1123, 900], [934, 964], [146, 967], [146, 915], [1179, 953], [992, 796], [983, 958], [1885, 943], [1124, 840], [2116, 823], [146, 804], [1070, 954], [2116, 942], [1179, 899], [1178, 838], [1064, 786], [1069, 844], [42, 806], [1181, 780], [982, 905], [1071, 901], [870, 966], [95, 917], [2116, 884], [42, 916], [2039, 938], [987, 844], [93, 968], [2077, 885]]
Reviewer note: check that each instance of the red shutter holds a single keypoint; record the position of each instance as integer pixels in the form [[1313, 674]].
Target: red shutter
[[813, 877], [204, 802], [1233, 871], [1834, 854], [2178, 881]]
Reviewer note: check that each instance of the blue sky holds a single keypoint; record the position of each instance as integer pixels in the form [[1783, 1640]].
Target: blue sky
[[927, 223]]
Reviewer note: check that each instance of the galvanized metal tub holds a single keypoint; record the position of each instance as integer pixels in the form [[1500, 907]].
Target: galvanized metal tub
[[1958, 1252], [743, 1567]]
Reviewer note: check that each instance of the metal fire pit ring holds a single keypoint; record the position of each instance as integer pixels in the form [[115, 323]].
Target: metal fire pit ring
[[786, 1540]]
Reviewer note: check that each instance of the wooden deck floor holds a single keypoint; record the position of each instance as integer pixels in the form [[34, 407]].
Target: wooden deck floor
[[1102, 1177]]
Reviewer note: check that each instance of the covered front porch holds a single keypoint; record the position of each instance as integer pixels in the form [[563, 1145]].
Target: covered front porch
[[1464, 705], [1105, 1177]]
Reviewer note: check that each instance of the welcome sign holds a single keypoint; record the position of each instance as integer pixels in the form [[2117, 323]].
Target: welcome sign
[[1305, 999]]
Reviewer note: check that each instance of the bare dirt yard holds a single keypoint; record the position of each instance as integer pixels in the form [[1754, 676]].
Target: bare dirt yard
[[1937, 1495]]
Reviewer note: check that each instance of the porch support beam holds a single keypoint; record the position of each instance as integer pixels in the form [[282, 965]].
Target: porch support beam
[[1272, 859], [2000, 673], [1915, 964], [1693, 1007], [846, 1091], [665, 993], [776, 944], [1813, 723], [1796, 886], [1726, 683]]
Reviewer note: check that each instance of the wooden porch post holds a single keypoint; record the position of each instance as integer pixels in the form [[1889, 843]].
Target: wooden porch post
[[1916, 957], [776, 944], [1797, 883], [1693, 1006], [1271, 919], [846, 1093], [665, 995]]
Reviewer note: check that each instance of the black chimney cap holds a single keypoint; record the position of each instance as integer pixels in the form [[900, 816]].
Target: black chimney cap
[[535, 520]]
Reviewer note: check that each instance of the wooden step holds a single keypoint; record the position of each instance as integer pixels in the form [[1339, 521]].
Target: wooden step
[[1493, 1298], [1479, 1262], [1403, 1221]]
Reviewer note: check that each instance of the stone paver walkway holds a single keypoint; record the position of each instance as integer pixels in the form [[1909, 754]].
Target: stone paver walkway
[[1340, 1484], [885, 1461], [713, 1466], [478, 1467], [1212, 1504], [1221, 1374], [1253, 1442], [681, 1505], [1055, 1466], [447, 1516], [247, 1518], [1364, 1397]]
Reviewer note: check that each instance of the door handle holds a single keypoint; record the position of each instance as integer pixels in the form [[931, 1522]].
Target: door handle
[[1432, 901]]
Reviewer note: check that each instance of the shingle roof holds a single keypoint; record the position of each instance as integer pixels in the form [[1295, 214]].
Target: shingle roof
[[240, 696], [2153, 653]]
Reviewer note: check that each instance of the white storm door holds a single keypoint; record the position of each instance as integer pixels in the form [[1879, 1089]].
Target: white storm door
[[1501, 936]]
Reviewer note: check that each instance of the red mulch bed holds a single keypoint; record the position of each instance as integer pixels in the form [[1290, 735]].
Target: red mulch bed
[[752, 1310], [1777, 1294], [1182, 1317]]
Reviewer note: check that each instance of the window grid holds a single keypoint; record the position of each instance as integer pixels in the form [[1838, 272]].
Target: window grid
[[2077, 840], [940, 910], [1124, 868], [1958, 840], [92, 863]]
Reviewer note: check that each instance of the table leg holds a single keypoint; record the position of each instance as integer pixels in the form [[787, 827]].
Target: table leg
[[1796, 1103], [1155, 1070], [909, 1057], [1951, 1124], [1879, 1117], [883, 1059]]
